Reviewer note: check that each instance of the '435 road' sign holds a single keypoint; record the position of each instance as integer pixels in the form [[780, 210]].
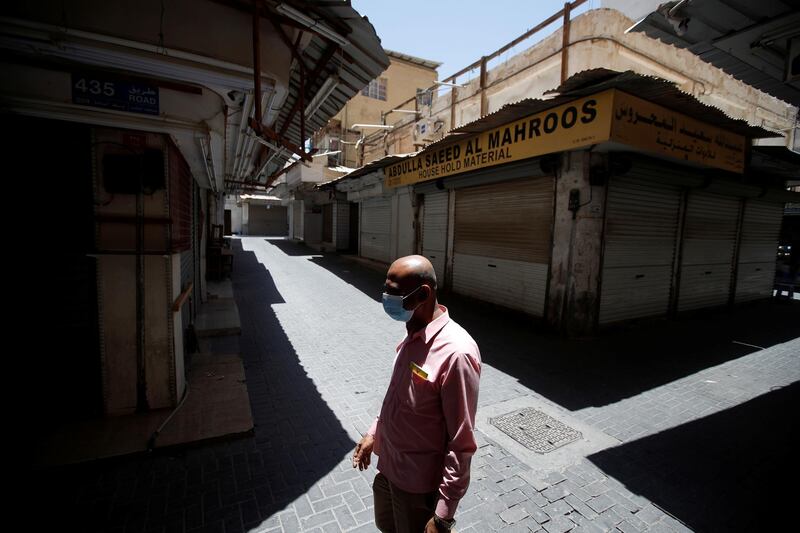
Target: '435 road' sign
[[101, 90]]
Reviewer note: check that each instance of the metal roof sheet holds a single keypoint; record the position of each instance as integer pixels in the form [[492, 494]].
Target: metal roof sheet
[[656, 90], [355, 65], [729, 34]]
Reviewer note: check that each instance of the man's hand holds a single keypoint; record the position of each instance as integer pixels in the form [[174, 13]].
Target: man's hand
[[363, 452], [430, 527]]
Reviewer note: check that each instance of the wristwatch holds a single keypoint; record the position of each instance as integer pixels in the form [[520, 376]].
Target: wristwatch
[[442, 524]]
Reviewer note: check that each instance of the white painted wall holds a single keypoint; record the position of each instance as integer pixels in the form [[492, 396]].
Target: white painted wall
[[402, 222]]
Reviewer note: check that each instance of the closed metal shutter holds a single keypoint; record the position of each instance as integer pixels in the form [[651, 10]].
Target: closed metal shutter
[[502, 243], [709, 242], [270, 222], [761, 226], [297, 219], [342, 225], [434, 231], [327, 223], [376, 220], [640, 237]]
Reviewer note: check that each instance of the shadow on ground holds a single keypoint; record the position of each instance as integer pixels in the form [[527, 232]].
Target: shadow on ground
[[617, 363], [367, 280], [721, 472], [290, 247], [229, 486]]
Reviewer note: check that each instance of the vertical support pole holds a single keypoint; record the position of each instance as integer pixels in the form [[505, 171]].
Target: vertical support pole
[[484, 103], [565, 44], [736, 251], [453, 98], [675, 288], [302, 108]]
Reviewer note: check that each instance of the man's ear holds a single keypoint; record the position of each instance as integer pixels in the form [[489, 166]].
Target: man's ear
[[427, 291]]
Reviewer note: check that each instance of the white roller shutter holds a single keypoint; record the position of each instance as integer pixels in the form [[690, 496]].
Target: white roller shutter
[[376, 223], [434, 231], [502, 243], [639, 250], [709, 242], [761, 226], [270, 222]]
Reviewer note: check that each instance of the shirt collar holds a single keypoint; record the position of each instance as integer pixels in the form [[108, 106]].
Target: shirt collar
[[433, 327]]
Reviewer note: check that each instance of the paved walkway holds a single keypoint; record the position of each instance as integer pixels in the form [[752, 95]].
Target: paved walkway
[[686, 425]]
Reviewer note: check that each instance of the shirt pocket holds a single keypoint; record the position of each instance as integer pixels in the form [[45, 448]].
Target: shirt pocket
[[423, 395]]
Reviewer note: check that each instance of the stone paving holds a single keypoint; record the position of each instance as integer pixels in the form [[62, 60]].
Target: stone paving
[[701, 413]]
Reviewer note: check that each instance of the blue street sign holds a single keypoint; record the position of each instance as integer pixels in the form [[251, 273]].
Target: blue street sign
[[110, 93]]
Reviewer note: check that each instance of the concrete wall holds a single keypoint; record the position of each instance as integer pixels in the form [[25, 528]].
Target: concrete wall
[[402, 81], [577, 246], [117, 284]]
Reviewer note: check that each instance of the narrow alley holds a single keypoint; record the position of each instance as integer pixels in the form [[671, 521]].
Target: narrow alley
[[667, 414]]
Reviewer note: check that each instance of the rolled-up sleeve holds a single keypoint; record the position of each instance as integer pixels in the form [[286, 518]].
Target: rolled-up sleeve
[[373, 429], [459, 396]]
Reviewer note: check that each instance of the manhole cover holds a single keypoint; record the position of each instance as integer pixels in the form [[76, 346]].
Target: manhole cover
[[535, 430]]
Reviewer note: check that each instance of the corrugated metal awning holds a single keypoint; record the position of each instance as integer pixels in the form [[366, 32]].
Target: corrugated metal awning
[[370, 167], [656, 90], [355, 65], [749, 42]]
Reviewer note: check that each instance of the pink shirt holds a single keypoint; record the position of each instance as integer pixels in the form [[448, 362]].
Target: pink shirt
[[424, 435]]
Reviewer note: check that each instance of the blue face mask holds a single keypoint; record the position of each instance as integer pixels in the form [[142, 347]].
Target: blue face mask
[[393, 305]]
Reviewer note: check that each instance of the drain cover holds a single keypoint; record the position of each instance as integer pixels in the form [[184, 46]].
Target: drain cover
[[535, 430]]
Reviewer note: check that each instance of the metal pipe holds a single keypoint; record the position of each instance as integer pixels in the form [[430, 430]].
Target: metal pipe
[[484, 103], [248, 102], [565, 43], [257, 59], [676, 7], [212, 176]]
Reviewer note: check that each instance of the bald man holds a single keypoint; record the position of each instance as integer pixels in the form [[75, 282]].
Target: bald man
[[424, 435]]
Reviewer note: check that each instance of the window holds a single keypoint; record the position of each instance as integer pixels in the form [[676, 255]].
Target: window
[[376, 89]]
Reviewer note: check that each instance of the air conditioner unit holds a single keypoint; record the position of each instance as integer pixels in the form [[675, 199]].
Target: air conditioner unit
[[428, 129]]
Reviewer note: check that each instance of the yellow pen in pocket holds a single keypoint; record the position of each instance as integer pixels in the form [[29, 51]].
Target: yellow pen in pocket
[[416, 369]]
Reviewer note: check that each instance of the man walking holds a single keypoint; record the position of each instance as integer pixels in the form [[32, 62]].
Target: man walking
[[424, 435]]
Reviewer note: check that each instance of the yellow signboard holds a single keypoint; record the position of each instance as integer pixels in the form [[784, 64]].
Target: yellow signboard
[[656, 129], [607, 116], [584, 122]]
